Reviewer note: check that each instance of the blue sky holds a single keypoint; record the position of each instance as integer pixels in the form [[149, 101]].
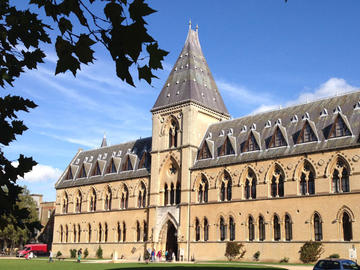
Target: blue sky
[[262, 54]]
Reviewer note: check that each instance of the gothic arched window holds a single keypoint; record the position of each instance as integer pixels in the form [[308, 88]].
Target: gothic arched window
[[138, 231], [166, 195], [142, 195], [222, 229], [108, 199], [178, 193], [307, 183], [118, 232], [261, 228], [206, 229], [173, 133], [226, 187], [203, 190], [89, 232], [78, 202], [340, 177], [172, 194], [250, 185], [100, 233], [197, 230], [106, 232], [75, 233], [251, 228], [145, 236], [222, 192], [65, 203], [277, 183], [347, 227], [66, 234], [232, 229], [124, 198], [288, 228], [277, 229], [317, 228], [92, 206], [124, 232], [61, 233]]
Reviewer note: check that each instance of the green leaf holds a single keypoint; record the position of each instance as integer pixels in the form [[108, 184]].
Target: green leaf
[[146, 74], [65, 25]]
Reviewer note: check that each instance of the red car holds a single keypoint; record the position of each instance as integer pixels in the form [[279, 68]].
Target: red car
[[36, 249]]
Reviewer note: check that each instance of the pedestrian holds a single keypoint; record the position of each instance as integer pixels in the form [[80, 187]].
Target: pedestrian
[[173, 256], [79, 255], [50, 256], [153, 255], [159, 255], [166, 255]]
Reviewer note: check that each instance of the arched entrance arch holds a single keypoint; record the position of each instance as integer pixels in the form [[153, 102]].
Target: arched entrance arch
[[168, 238]]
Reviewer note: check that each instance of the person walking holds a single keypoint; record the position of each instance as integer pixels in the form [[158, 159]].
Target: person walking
[[79, 255], [50, 256]]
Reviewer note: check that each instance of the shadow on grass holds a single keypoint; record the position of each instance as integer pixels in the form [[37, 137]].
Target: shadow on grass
[[197, 267]]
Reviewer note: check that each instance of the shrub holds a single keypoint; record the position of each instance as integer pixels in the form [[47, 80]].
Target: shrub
[[311, 251], [234, 250], [99, 253], [58, 254], [284, 260], [86, 253], [256, 255], [335, 256], [73, 253]]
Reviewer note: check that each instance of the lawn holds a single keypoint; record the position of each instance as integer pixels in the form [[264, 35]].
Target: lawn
[[69, 265]]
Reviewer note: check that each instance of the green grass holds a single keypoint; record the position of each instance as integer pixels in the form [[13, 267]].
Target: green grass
[[276, 263], [71, 265]]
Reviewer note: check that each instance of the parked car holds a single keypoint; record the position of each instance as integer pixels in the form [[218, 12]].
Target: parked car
[[336, 264], [36, 249]]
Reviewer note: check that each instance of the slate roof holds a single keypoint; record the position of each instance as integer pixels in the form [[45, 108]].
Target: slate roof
[[319, 114], [191, 80], [119, 152]]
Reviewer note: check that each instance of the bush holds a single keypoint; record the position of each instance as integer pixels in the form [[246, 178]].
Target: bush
[[86, 253], [284, 260], [311, 251], [99, 253], [335, 256], [234, 250], [73, 253], [58, 254], [256, 255]]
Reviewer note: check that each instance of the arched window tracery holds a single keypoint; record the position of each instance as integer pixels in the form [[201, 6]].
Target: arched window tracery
[[108, 199], [222, 229], [346, 227], [173, 133], [203, 190], [340, 177], [106, 232], [307, 182], [277, 182], [288, 228], [142, 195], [124, 198], [232, 229], [318, 227], [92, 205], [250, 185], [145, 236], [226, 187], [197, 230], [206, 229], [100, 233], [65, 206], [251, 228], [78, 203], [261, 228]]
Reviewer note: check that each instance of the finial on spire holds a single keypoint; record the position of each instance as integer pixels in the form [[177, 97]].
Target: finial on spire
[[190, 24], [104, 142]]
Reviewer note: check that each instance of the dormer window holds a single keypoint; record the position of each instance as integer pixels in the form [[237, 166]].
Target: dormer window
[[226, 148], [204, 152], [96, 170], [127, 166], [145, 160], [112, 167], [306, 134], [82, 172], [277, 139], [339, 129], [250, 144], [69, 174]]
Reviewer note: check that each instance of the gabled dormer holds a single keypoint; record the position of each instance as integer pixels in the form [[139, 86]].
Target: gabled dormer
[[204, 151], [252, 142], [339, 128], [82, 172], [127, 165], [69, 174], [278, 138], [145, 160], [227, 147], [96, 170], [111, 168], [306, 134]]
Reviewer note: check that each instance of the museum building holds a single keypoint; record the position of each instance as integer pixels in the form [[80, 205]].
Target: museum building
[[271, 181]]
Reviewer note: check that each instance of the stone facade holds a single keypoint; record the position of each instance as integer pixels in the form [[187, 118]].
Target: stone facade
[[271, 181]]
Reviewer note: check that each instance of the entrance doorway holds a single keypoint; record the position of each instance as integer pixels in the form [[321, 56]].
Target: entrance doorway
[[171, 240]]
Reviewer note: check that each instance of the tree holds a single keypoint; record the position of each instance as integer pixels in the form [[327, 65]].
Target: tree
[[118, 25], [311, 251], [13, 235], [234, 250]]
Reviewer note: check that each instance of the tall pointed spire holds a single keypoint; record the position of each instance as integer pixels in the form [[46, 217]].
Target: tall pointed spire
[[104, 142], [191, 80]]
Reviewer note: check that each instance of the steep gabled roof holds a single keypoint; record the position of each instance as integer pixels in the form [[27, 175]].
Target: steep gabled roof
[[191, 80]]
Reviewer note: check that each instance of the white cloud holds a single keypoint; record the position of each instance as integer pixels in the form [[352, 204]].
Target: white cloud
[[332, 87], [42, 173]]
